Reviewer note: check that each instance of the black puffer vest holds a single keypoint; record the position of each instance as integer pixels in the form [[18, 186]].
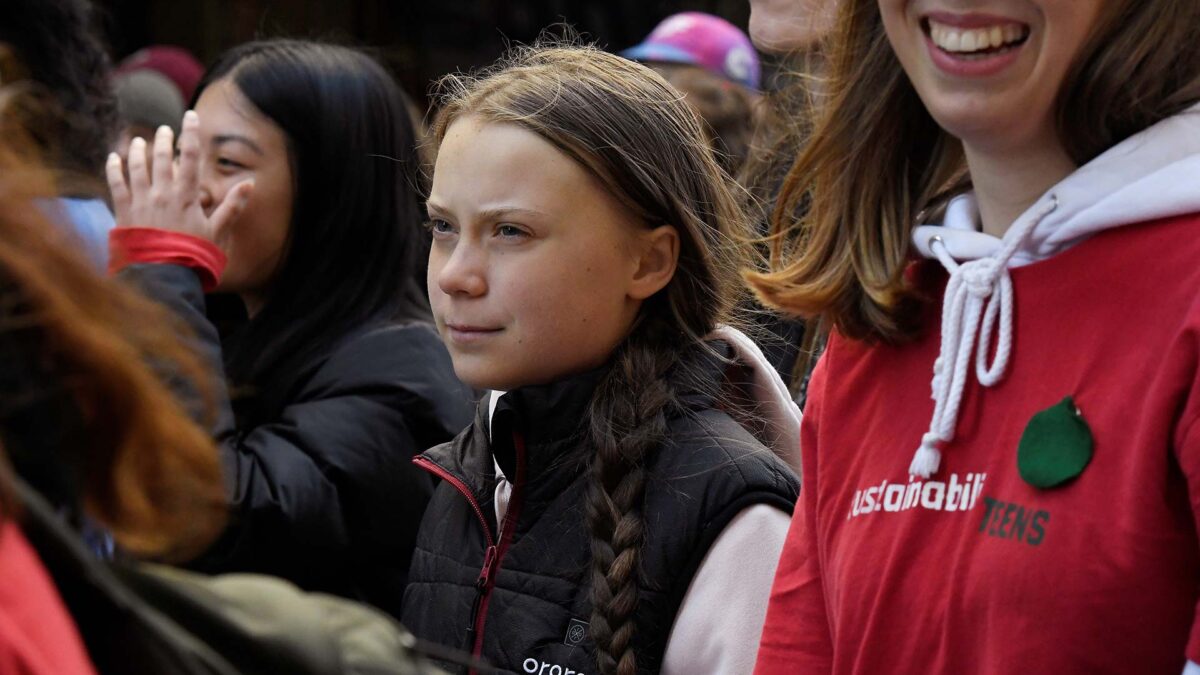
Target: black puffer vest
[[519, 597]]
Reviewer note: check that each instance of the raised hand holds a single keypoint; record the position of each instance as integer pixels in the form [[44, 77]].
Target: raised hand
[[167, 195]]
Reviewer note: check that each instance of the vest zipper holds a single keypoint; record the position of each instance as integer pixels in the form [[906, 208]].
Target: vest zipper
[[494, 552]]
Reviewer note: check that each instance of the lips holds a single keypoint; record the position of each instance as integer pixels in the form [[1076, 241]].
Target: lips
[[973, 45], [462, 334]]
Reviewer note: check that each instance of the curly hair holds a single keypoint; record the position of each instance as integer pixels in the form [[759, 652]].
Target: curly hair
[[57, 48]]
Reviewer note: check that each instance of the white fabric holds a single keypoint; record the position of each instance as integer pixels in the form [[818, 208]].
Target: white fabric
[[971, 285], [503, 486], [775, 415], [720, 621], [1192, 668], [1150, 175]]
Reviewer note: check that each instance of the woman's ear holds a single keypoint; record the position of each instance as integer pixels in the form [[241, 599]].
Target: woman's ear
[[658, 255]]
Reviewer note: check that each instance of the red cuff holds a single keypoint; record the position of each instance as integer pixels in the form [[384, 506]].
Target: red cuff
[[133, 245]]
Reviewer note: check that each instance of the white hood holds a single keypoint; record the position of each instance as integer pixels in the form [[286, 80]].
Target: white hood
[[1153, 174], [774, 417]]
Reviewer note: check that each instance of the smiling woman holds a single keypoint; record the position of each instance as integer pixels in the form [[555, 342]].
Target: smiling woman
[[293, 193], [1029, 165]]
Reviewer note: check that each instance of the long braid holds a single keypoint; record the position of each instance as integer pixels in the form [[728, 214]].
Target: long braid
[[628, 418]]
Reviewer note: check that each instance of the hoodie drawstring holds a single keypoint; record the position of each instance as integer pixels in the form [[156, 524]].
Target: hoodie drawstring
[[978, 290]]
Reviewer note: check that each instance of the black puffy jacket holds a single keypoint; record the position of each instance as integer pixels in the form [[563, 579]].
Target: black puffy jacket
[[326, 495], [519, 598]]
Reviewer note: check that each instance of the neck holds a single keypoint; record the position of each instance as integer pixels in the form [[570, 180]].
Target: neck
[[1007, 182]]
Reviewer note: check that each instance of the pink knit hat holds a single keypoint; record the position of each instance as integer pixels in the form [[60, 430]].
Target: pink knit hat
[[703, 40]]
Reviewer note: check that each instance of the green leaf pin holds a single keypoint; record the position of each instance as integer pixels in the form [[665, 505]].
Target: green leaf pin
[[1056, 446]]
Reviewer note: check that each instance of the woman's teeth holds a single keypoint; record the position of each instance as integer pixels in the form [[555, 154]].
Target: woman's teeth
[[967, 40]]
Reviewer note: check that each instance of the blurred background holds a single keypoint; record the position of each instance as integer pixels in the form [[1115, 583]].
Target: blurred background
[[419, 40]]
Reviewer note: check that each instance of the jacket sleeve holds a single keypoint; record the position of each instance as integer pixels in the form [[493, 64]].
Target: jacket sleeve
[[796, 636], [334, 467]]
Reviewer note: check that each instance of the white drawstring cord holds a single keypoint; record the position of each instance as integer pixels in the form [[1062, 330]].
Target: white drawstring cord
[[971, 284]]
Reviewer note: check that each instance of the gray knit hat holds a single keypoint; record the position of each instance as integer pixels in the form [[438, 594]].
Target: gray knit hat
[[148, 98]]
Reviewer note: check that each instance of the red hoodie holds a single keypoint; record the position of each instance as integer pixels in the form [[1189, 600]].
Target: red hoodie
[[974, 570], [37, 636]]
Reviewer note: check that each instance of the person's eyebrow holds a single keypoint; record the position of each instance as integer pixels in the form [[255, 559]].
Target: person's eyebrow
[[489, 214], [502, 212], [435, 209], [222, 139]]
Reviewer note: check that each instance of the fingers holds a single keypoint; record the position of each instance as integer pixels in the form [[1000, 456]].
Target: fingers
[[118, 188], [164, 151], [139, 173], [231, 207], [187, 181]]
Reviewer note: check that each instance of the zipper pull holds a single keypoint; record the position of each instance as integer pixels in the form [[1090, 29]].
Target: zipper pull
[[481, 589], [485, 574]]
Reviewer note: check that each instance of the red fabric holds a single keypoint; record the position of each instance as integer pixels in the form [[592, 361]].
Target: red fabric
[[37, 636], [1096, 576], [133, 245]]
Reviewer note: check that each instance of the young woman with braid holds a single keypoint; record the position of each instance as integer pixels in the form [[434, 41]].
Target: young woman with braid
[[605, 495]]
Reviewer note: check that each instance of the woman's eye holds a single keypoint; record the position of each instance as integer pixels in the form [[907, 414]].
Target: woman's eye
[[510, 231], [439, 227], [229, 164]]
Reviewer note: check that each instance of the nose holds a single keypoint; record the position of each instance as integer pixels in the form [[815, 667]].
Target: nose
[[462, 270]]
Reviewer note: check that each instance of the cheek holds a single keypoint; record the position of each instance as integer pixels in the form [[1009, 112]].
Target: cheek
[[259, 236], [581, 304], [900, 35], [272, 212]]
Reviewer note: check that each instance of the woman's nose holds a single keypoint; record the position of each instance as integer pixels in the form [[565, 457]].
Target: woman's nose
[[462, 272]]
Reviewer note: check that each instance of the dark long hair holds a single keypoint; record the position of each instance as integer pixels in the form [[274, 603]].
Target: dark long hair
[[351, 254], [630, 129]]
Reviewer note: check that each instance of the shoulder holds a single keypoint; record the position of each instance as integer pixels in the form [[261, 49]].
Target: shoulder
[[388, 355], [405, 363], [37, 634], [708, 446]]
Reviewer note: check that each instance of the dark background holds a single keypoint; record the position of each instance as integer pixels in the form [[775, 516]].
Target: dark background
[[418, 40]]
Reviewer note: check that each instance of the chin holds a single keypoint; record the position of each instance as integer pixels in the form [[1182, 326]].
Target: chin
[[977, 120], [481, 376]]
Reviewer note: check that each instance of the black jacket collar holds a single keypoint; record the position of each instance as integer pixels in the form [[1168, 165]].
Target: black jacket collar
[[551, 421]]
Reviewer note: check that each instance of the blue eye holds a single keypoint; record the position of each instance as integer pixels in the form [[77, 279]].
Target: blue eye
[[439, 227], [510, 231]]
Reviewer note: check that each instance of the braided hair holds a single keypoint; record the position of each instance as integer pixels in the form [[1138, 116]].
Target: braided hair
[[633, 132]]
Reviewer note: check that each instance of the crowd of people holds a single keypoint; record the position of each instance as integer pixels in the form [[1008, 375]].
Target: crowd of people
[[885, 359]]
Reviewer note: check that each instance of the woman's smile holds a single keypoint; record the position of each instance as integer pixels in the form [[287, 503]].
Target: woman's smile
[[973, 45]]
